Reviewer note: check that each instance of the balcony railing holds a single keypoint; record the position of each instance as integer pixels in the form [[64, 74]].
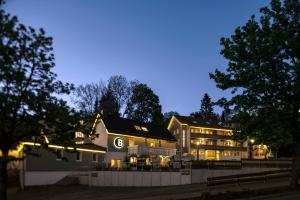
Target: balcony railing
[[218, 147], [141, 150], [211, 136]]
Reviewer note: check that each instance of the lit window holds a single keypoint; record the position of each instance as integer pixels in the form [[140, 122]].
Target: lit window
[[130, 142], [59, 154], [133, 160], [144, 128], [112, 163], [148, 161], [79, 138], [152, 144], [95, 157], [78, 156]]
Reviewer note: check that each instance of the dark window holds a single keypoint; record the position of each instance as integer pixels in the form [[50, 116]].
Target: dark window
[[95, 158], [59, 154], [78, 156]]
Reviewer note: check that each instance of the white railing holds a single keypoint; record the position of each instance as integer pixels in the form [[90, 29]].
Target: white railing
[[141, 150], [230, 157]]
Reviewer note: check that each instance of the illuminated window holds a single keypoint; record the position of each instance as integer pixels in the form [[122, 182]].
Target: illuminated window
[[112, 163], [144, 129], [141, 128], [152, 144], [79, 138], [209, 142], [119, 164], [78, 156], [195, 130], [133, 160], [148, 161], [131, 142], [210, 153]]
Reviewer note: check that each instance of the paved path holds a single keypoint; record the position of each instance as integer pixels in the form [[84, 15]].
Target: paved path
[[294, 195], [132, 193]]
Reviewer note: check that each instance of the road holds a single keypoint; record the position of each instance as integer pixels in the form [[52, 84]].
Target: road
[[294, 195], [193, 191]]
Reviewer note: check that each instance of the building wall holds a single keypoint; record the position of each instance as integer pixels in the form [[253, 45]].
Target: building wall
[[135, 178], [47, 161], [35, 178], [102, 138], [216, 137], [146, 142], [176, 129]]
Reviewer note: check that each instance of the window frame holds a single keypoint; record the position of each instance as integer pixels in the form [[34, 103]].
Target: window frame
[[80, 156], [93, 157], [59, 152]]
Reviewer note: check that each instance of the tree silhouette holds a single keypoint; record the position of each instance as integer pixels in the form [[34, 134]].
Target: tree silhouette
[[143, 105], [263, 74]]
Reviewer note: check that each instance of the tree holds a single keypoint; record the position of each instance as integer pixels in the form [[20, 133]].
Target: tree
[[87, 97], [29, 90], [143, 105], [108, 105], [168, 116], [206, 113], [263, 74], [120, 89]]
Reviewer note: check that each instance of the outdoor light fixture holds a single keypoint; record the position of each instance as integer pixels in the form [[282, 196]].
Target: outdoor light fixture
[[252, 141]]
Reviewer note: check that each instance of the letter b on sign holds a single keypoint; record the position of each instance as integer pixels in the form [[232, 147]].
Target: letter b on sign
[[118, 143]]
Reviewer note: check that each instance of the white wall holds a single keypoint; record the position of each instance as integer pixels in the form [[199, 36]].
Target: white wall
[[102, 138], [134, 178], [201, 175], [44, 177]]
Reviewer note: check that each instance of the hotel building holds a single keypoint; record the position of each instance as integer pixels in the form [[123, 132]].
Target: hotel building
[[205, 142], [129, 139], [118, 142]]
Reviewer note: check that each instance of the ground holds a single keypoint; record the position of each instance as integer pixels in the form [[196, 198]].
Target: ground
[[144, 193]]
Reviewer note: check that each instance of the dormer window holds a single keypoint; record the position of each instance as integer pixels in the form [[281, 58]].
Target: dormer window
[[144, 128], [141, 128], [79, 137]]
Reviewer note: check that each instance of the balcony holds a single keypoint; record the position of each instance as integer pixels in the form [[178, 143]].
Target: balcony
[[151, 151], [210, 136], [217, 147]]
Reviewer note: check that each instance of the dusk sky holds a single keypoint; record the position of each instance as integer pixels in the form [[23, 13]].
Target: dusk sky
[[170, 45]]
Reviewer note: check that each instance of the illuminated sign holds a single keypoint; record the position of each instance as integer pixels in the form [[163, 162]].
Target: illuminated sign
[[118, 143]]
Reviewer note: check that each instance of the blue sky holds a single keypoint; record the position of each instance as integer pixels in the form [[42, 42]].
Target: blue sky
[[171, 45]]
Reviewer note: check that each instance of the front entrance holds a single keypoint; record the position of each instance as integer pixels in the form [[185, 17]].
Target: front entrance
[[212, 155], [115, 164]]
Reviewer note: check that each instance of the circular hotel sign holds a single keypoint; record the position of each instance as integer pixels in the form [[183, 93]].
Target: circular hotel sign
[[118, 143]]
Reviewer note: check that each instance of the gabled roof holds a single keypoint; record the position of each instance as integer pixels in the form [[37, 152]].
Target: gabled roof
[[191, 121], [90, 146], [128, 127]]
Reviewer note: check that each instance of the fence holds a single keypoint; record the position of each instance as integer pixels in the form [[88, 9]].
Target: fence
[[216, 164], [244, 163], [241, 178], [135, 178], [280, 163]]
